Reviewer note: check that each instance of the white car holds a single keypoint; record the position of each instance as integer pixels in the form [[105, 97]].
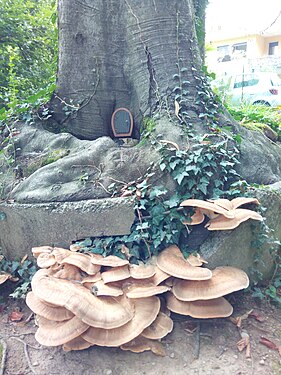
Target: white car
[[251, 88]]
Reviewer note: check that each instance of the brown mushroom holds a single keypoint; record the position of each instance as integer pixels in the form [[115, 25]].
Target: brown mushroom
[[234, 203], [83, 262], [212, 308], [159, 276], [197, 218], [225, 280], [91, 278], [116, 274], [196, 260], [142, 271], [99, 288], [146, 311], [36, 251], [76, 344], [145, 290], [240, 215], [45, 260], [66, 271], [52, 333], [7, 276], [206, 208], [103, 312], [172, 262], [61, 253], [39, 307], [141, 344], [160, 328], [110, 260]]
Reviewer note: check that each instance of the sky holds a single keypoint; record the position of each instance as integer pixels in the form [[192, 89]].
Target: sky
[[247, 16]]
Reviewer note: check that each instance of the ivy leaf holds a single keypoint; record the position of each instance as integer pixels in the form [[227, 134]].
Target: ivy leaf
[[162, 166], [142, 226], [173, 201], [203, 188]]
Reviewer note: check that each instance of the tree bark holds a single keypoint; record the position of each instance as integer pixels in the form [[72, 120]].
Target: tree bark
[[123, 53]]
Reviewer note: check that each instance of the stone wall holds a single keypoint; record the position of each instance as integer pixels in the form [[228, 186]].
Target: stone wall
[[23, 226]]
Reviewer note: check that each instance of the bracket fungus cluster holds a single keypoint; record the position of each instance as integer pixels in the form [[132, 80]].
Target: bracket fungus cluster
[[223, 214], [82, 300]]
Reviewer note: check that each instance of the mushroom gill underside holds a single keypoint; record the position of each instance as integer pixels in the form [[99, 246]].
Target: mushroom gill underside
[[81, 300]]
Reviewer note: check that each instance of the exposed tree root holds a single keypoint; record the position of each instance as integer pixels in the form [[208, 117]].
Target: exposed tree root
[[3, 347]]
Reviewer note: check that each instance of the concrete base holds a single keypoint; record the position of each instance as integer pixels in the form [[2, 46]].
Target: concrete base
[[23, 226]]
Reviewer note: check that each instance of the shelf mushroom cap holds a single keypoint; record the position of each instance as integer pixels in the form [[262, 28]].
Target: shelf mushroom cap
[[83, 262], [66, 271], [240, 215], [110, 261], [7, 276], [52, 333], [145, 290], [116, 274], [234, 203], [141, 344], [212, 308], [159, 276], [99, 288], [46, 260], [91, 278], [206, 206], [36, 251], [76, 344], [102, 312], [225, 280], [142, 271], [61, 253], [197, 218], [160, 328], [55, 313], [172, 262], [146, 311]]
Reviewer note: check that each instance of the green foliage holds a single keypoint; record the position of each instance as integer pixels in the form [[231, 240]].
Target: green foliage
[[250, 114], [28, 48], [148, 126], [23, 269], [205, 171]]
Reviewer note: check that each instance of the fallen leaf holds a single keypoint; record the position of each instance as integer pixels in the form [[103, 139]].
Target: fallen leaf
[[238, 320], [16, 316], [257, 316], [270, 344], [244, 343]]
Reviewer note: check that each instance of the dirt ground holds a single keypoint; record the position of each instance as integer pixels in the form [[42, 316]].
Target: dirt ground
[[210, 350]]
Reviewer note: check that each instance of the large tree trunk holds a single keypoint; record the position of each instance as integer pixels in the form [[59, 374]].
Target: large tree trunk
[[124, 53]]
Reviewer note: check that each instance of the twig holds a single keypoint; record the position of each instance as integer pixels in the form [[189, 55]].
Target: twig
[[197, 344], [25, 346], [4, 355]]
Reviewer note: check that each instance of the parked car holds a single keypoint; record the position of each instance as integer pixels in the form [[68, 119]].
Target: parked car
[[251, 88]]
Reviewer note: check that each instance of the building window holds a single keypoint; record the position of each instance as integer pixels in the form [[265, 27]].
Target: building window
[[273, 48], [224, 53], [239, 49]]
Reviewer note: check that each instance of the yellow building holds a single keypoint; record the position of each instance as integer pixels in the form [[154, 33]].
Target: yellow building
[[234, 47]]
